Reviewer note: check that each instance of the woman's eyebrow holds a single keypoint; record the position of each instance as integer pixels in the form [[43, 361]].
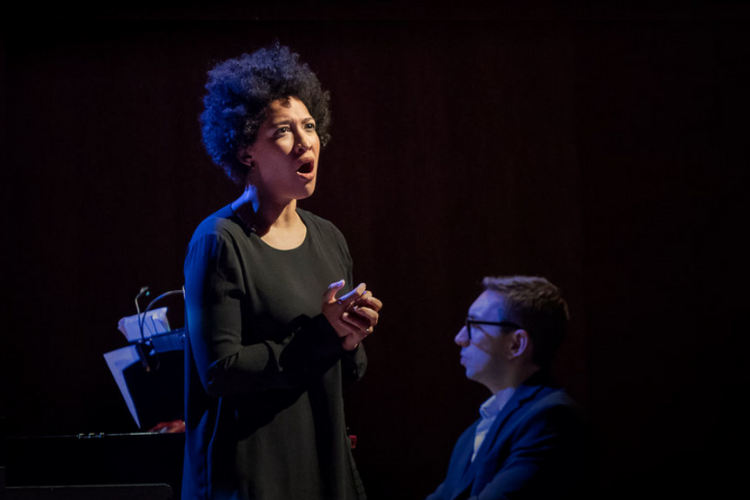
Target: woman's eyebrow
[[289, 120]]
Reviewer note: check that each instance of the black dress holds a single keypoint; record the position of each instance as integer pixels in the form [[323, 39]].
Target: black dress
[[264, 368]]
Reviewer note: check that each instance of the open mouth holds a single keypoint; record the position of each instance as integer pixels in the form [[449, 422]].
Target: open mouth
[[305, 168]]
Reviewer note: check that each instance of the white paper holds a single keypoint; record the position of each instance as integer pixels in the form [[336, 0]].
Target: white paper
[[118, 360], [154, 322]]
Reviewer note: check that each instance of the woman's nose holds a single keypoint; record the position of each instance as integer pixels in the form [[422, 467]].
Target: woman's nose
[[303, 144]]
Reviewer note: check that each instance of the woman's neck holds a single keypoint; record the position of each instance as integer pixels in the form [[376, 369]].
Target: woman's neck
[[277, 224]]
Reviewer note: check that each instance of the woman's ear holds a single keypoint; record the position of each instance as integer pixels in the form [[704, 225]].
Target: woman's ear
[[245, 157]]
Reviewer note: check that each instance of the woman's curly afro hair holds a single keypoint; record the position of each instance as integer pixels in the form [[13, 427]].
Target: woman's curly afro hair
[[238, 93]]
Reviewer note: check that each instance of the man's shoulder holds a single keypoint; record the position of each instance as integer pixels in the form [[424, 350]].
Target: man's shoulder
[[548, 396], [554, 406]]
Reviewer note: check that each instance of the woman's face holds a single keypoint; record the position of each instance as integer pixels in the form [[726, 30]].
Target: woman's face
[[285, 153]]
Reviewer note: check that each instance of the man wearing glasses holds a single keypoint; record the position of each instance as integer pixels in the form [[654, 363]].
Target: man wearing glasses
[[530, 441]]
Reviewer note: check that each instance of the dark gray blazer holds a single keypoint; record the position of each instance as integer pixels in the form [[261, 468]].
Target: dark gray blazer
[[537, 448]]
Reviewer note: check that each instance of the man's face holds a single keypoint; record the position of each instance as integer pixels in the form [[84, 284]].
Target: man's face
[[483, 354]]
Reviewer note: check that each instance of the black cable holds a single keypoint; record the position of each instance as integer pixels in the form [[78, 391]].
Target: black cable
[[148, 308], [141, 320]]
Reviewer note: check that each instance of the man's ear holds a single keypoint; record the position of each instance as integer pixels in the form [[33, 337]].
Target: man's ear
[[520, 343], [245, 157]]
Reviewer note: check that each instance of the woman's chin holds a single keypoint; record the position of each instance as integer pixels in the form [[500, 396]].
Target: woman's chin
[[308, 190]]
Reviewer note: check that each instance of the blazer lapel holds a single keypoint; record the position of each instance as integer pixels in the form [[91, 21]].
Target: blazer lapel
[[466, 452], [523, 394]]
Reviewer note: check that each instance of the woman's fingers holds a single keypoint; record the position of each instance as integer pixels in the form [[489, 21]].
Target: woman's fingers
[[354, 315], [361, 317], [350, 298], [370, 301], [332, 290], [350, 342]]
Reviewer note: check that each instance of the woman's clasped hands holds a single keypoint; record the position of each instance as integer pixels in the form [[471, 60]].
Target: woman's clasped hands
[[354, 315]]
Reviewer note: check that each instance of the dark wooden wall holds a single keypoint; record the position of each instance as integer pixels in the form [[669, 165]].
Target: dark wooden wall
[[609, 157]]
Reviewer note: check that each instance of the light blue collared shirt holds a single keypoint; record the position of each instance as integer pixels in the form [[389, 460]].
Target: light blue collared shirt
[[489, 411]]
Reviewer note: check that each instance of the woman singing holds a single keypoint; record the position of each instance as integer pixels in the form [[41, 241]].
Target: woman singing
[[269, 344]]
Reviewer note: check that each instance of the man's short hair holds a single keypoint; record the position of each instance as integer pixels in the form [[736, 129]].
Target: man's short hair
[[538, 306]]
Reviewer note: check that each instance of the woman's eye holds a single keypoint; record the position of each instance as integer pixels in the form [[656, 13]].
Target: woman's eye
[[282, 130], [310, 126]]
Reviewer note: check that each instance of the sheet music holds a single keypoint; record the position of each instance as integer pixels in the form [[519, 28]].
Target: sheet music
[[154, 322], [118, 360]]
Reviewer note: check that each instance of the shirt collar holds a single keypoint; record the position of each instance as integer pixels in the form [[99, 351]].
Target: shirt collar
[[496, 402]]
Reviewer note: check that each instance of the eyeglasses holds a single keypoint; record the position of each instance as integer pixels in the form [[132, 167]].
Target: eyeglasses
[[474, 323]]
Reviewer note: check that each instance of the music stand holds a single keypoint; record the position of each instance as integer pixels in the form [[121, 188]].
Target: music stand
[[150, 376]]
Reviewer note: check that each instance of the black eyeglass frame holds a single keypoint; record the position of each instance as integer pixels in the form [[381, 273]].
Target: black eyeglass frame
[[504, 324]]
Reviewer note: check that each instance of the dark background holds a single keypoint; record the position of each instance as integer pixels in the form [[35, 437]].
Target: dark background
[[608, 156]]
